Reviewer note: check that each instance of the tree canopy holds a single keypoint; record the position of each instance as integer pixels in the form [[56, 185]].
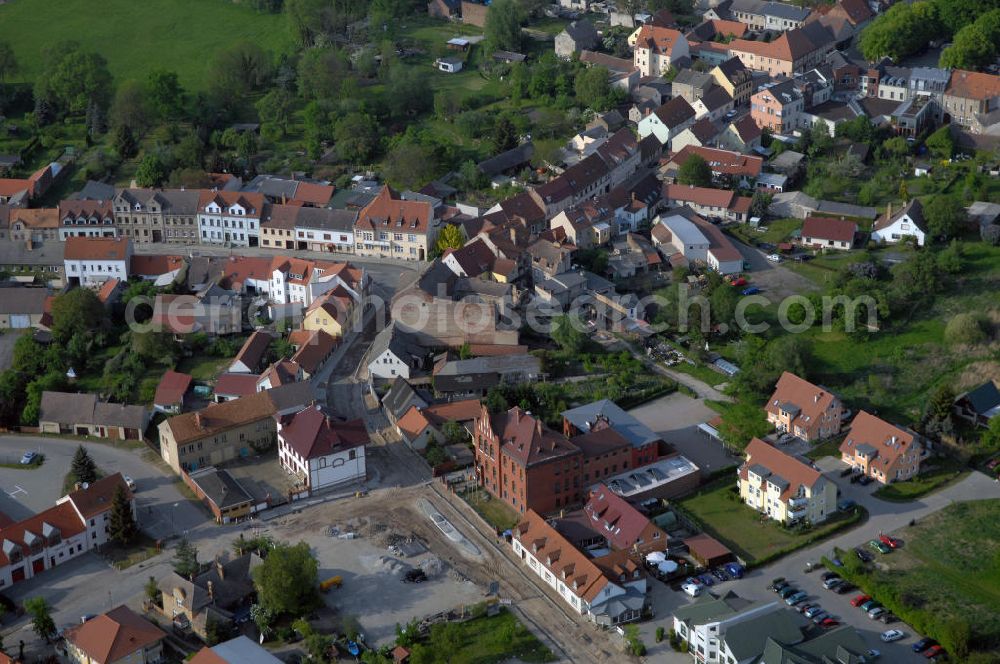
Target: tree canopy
[[78, 311], [503, 26], [695, 170], [72, 78], [287, 580]]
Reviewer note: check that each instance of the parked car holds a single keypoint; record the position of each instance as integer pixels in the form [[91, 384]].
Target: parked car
[[691, 589], [787, 592], [28, 458], [844, 588], [845, 505], [837, 562], [923, 644], [810, 566], [706, 579], [774, 258], [781, 586], [734, 570], [813, 611], [869, 605], [796, 598], [891, 542], [872, 655], [753, 290], [777, 583], [892, 635], [833, 584], [934, 652], [829, 622], [806, 606], [865, 480], [888, 618], [739, 281], [846, 471], [820, 617], [129, 482], [830, 575], [860, 599], [879, 546], [863, 555], [876, 612]]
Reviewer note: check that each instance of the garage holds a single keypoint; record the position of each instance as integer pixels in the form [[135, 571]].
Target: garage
[[20, 321]]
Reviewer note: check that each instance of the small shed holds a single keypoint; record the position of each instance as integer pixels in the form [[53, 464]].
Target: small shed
[[920, 169], [458, 44], [708, 551], [449, 65]]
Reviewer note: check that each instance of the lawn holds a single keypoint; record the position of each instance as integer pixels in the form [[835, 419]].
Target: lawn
[[202, 367], [749, 534], [827, 448], [138, 37], [778, 230], [935, 474], [482, 640], [493, 510], [947, 570]]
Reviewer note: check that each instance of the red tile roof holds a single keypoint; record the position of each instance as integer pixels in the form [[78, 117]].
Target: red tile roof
[[890, 442], [172, 388], [96, 248], [721, 198], [115, 635], [675, 112], [62, 517], [810, 400], [234, 384], [107, 290], [389, 212], [616, 520], [785, 466], [96, 497], [154, 266], [314, 194], [526, 439], [571, 566], [253, 202], [312, 433], [973, 85], [657, 39], [722, 161], [823, 228], [314, 350]]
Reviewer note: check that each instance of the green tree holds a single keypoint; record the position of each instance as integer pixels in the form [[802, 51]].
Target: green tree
[[83, 467], [8, 61], [940, 143], [411, 92], [505, 135], [901, 31], [239, 70], [165, 94], [759, 203], [274, 110], [450, 237], [566, 334], [896, 147], [496, 402], [593, 89], [972, 49], [124, 143], [122, 527], [821, 139], [95, 121], [186, 559], [321, 72], [964, 329], [454, 433], [152, 172], [318, 647], [470, 177], [409, 165], [72, 78], [152, 589], [41, 617], [286, 580], [991, 437], [356, 137], [78, 310], [503, 26], [695, 170], [944, 215], [131, 107]]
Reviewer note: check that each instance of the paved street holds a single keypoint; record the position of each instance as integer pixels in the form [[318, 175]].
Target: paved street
[[884, 516]]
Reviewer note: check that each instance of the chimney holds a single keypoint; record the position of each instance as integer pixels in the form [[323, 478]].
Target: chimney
[[220, 569], [513, 234], [211, 590], [199, 421], [888, 211]]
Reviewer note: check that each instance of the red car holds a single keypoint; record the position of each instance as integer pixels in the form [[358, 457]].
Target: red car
[[829, 622], [739, 282], [860, 599], [933, 651], [891, 542]]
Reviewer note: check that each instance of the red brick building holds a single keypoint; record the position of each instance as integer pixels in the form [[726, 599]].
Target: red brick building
[[529, 466]]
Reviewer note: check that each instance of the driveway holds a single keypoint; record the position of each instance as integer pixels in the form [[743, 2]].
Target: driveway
[[775, 282], [676, 417]]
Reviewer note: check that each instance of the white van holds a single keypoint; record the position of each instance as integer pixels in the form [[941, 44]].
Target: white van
[[691, 589]]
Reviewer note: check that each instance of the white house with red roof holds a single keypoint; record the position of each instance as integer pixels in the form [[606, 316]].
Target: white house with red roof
[[322, 451], [827, 233], [656, 48], [784, 488], [90, 261]]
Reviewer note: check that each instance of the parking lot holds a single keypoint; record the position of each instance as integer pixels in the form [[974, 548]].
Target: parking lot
[[774, 280], [676, 418]]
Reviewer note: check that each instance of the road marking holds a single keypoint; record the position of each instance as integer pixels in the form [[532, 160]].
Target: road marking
[[18, 489]]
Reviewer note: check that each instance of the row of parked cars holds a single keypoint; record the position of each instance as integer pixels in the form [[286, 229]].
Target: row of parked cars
[[694, 585], [926, 646]]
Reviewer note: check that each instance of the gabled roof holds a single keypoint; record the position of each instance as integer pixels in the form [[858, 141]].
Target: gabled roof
[[313, 434], [475, 258], [823, 228], [675, 112], [582, 31], [589, 416], [782, 470], [528, 440], [314, 351], [984, 398], [658, 39], [973, 85], [389, 211], [805, 401], [23, 300], [154, 266], [172, 388], [569, 565], [254, 349], [252, 202], [876, 438], [747, 129], [721, 198], [218, 417], [97, 248], [723, 162], [616, 520], [913, 209], [236, 384], [114, 635]]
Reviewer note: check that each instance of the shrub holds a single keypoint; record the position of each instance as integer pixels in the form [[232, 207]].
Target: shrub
[[965, 329], [659, 634]]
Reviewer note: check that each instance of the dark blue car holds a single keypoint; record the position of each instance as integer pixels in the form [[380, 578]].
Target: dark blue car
[[753, 290], [923, 644]]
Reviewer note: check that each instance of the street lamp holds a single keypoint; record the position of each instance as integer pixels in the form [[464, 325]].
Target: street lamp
[[173, 527]]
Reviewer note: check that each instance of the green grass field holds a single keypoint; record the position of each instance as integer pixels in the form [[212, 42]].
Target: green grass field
[[948, 569], [137, 37], [482, 640], [743, 530], [934, 474]]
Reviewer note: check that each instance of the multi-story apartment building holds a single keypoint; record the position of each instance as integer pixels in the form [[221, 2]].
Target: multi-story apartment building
[[656, 48], [230, 218], [390, 227], [522, 462], [778, 107], [804, 410], [880, 450], [277, 227], [297, 280], [321, 229], [763, 15], [606, 414], [83, 218], [733, 77], [791, 52], [972, 100], [784, 488], [322, 451], [153, 215]]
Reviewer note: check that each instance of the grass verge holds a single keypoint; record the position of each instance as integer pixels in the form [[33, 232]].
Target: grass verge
[[140, 550], [493, 510], [932, 478], [69, 482], [482, 640]]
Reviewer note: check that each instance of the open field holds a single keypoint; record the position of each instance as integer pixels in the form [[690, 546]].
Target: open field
[[745, 531], [947, 571], [139, 37]]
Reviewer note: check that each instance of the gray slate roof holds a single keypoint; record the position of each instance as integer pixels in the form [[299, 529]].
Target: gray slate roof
[[22, 300], [220, 487], [583, 417]]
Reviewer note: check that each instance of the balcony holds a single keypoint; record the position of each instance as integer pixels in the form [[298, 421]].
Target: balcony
[[795, 503], [796, 513]]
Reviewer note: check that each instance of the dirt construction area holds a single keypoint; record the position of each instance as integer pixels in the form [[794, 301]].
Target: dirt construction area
[[372, 541]]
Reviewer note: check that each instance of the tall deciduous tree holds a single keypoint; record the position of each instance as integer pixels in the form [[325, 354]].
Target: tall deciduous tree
[[287, 580], [186, 559], [450, 237], [165, 93], [41, 617], [8, 61], [76, 311], [944, 215], [503, 26], [695, 170], [72, 78]]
